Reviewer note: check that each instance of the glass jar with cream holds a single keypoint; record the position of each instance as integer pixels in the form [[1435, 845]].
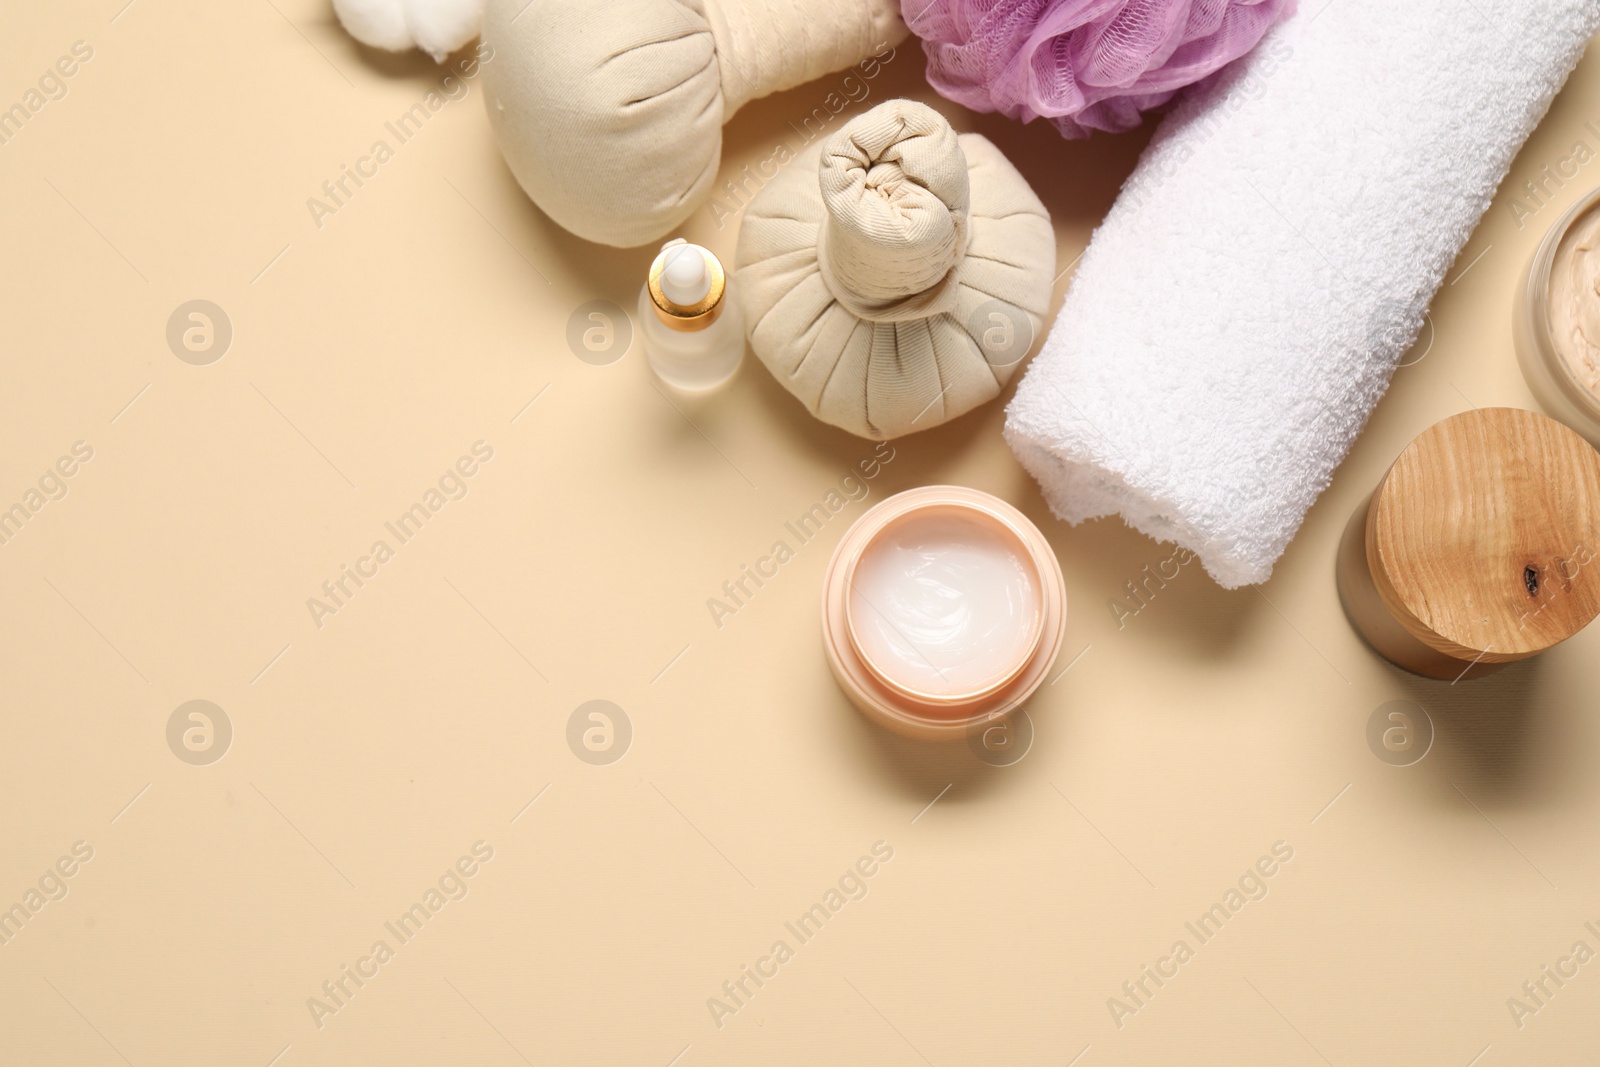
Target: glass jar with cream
[[1556, 322], [943, 609]]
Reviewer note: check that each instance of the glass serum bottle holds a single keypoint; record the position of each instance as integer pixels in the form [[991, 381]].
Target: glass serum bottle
[[692, 326]]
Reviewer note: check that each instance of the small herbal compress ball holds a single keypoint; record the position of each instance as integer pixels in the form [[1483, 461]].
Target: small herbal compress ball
[[895, 276]]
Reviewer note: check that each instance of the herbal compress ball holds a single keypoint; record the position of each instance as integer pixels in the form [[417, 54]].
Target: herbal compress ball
[[610, 114], [895, 276]]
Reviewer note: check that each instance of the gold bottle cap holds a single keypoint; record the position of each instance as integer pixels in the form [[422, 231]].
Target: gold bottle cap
[[686, 280]]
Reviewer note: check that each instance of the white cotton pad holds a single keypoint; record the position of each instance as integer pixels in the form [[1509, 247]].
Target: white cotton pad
[[438, 27]]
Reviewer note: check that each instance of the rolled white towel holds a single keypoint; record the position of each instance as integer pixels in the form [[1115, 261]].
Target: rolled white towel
[[438, 27], [1239, 312]]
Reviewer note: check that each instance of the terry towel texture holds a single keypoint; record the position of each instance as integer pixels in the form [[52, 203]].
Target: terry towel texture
[[1240, 310]]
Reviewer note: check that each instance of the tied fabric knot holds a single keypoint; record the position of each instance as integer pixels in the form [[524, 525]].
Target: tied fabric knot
[[895, 276], [895, 187]]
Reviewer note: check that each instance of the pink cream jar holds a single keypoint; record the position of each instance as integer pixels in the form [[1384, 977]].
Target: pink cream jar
[[943, 609]]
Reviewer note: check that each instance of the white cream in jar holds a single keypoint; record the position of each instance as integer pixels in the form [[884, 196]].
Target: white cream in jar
[[945, 605], [943, 609]]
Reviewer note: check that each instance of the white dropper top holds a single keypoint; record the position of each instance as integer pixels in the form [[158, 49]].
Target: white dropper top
[[685, 281]]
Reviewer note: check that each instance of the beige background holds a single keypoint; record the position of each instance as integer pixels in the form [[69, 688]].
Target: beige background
[[369, 754]]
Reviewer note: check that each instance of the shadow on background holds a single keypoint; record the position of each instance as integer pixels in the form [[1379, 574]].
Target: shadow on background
[[1498, 738], [920, 770]]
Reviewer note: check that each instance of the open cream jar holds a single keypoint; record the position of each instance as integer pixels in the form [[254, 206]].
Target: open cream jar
[[942, 611], [1556, 322]]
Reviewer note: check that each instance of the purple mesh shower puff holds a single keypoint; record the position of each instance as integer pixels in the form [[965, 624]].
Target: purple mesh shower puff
[[1083, 64]]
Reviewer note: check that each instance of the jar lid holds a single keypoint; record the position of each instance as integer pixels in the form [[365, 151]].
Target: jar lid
[[1483, 539]]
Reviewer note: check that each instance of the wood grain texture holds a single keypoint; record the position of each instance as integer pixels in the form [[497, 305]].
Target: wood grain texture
[[1480, 544], [1377, 625]]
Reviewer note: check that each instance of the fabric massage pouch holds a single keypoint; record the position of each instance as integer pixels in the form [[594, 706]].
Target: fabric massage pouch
[[610, 113], [894, 276]]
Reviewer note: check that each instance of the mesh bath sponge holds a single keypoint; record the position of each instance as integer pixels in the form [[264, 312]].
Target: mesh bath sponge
[[610, 114], [1083, 64], [894, 276]]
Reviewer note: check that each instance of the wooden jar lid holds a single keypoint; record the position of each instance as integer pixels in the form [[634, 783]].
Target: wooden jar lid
[[1483, 540]]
